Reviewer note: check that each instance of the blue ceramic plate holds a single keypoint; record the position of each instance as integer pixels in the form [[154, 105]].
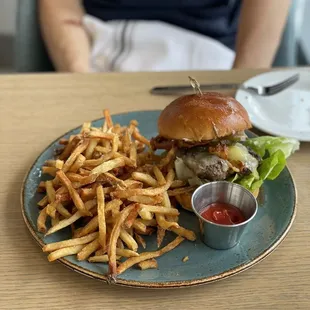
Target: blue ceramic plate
[[271, 224]]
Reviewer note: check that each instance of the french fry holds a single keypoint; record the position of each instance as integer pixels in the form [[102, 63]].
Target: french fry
[[178, 183], [148, 200], [99, 161], [146, 191], [102, 149], [114, 236], [186, 233], [101, 135], [86, 127], [145, 214], [78, 163], [128, 240], [69, 148], [99, 259], [169, 157], [101, 217], [115, 144], [41, 221], [126, 253], [133, 153], [91, 147], [181, 190], [164, 224], [131, 219], [90, 227], [145, 178], [49, 170], [67, 222], [108, 118], [88, 249], [108, 166], [148, 255], [158, 209], [139, 226], [70, 242], [81, 147], [136, 135], [160, 236], [140, 240], [73, 193], [159, 176], [64, 252], [62, 210], [148, 264], [113, 180]]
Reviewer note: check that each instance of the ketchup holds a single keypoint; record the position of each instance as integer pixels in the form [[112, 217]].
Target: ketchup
[[223, 213]]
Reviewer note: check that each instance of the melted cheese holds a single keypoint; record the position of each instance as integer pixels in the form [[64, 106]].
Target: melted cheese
[[239, 152]]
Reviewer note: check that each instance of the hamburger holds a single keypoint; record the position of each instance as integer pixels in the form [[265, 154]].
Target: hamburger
[[208, 133]]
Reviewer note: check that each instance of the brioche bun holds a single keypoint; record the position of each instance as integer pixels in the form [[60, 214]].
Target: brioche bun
[[202, 117]]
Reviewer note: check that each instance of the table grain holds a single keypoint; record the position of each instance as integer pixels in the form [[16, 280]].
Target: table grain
[[34, 110]]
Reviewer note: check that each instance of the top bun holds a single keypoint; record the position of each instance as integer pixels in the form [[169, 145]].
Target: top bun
[[202, 117]]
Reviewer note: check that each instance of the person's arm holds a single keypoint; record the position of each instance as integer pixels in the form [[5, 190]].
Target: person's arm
[[260, 30], [62, 30]]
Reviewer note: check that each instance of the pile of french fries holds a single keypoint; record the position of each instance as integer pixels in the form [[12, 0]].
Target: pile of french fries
[[111, 189]]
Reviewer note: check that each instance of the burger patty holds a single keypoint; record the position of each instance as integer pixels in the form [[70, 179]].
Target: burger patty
[[206, 166]]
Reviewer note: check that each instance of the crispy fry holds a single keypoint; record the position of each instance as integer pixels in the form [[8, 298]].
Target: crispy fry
[[148, 255], [159, 176], [148, 264], [181, 190], [140, 240], [67, 222], [186, 233], [146, 191], [101, 135], [113, 180], [108, 118], [62, 210], [102, 149], [90, 227], [70, 242], [99, 259], [128, 240], [133, 153], [69, 148], [114, 236], [158, 209], [136, 135], [42, 220], [87, 250], [131, 219], [139, 226], [73, 193], [169, 157], [81, 147], [164, 224], [91, 147], [145, 214], [145, 178], [160, 236], [108, 166], [78, 163], [148, 200], [98, 161], [64, 252], [49, 170], [178, 183], [101, 217]]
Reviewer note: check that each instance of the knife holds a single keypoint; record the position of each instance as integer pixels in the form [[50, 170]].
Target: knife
[[175, 89]]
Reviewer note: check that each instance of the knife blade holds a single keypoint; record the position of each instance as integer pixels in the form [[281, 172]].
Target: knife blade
[[176, 89]]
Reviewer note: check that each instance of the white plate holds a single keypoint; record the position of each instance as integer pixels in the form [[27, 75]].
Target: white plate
[[284, 114]]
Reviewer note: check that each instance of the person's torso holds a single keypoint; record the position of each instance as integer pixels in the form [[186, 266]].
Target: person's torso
[[215, 18]]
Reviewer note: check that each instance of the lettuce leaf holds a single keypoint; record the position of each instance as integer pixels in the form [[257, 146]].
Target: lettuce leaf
[[274, 151], [272, 144]]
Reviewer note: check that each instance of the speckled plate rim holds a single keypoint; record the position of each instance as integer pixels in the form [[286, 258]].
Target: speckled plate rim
[[170, 284]]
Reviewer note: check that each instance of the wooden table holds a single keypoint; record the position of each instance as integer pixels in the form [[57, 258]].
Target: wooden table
[[36, 109]]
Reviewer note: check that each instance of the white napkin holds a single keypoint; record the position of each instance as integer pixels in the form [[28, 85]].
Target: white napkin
[[152, 46]]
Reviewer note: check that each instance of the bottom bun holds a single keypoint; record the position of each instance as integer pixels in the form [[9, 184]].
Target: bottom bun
[[185, 200]]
